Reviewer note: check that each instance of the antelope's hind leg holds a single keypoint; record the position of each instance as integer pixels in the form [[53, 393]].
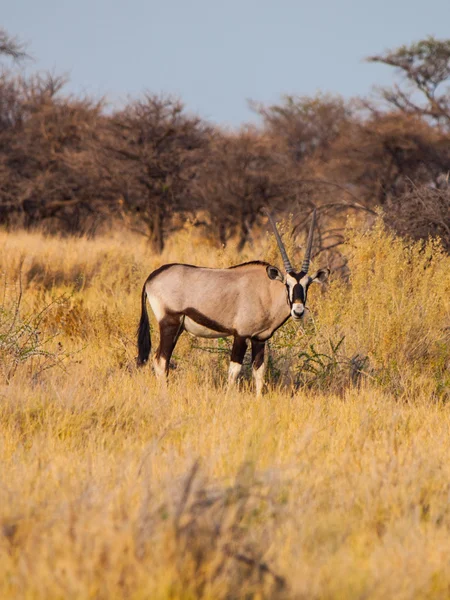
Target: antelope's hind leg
[[258, 365], [170, 329], [236, 360]]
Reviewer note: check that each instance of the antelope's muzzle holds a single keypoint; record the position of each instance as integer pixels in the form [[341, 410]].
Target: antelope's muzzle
[[297, 310]]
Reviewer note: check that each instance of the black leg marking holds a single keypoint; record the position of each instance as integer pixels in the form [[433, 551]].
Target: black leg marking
[[257, 353], [239, 349], [258, 366], [237, 358], [170, 329], [180, 331]]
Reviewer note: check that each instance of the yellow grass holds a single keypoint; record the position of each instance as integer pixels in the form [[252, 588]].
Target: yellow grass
[[335, 484]]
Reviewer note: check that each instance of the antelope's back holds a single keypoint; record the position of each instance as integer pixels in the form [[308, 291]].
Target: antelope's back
[[229, 295]]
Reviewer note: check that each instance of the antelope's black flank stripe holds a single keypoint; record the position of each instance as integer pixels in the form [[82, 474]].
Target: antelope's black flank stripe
[[197, 316]]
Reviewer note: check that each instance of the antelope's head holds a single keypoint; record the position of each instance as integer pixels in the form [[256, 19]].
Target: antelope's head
[[297, 283]]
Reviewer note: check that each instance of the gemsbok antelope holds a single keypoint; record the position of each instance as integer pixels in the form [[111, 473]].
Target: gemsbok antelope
[[249, 301]]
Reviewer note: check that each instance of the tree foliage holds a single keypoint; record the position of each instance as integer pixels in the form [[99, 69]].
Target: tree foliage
[[69, 165], [152, 153], [425, 66], [11, 46]]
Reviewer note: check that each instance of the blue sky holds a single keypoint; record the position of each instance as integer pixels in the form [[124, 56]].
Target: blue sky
[[216, 55]]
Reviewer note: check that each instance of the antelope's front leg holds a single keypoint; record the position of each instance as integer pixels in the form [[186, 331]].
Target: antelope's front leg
[[258, 365], [237, 358]]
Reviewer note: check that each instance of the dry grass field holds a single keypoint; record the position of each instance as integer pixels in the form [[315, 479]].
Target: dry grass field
[[335, 484]]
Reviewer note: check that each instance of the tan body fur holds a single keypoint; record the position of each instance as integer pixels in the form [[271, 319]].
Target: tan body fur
[[242, 300]]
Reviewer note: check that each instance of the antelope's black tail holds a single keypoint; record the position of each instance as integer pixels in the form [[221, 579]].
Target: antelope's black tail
[[143, 332]]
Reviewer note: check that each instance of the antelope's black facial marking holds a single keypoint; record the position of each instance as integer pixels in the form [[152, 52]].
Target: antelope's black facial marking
[[298, 293], [297, 285]]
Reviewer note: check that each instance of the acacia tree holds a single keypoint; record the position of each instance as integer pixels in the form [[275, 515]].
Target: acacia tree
[[422, 212], [380, 156], [307, 125], [151, 157], [398, 154], [306, 130], [425, 67], [243, 173], [11, 46], [48, 170], [10, 116], [383, 152], [10, 119]]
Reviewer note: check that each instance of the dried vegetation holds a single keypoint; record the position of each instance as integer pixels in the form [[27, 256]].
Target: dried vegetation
[[334, 484]]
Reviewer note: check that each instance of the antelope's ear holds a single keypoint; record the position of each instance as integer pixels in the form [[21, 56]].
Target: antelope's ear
[[320, 276], [274, 273]]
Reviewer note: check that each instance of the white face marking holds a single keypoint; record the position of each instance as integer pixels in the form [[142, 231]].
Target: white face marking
[[290, 282], [297, 310], [305, 281], [233, 372]]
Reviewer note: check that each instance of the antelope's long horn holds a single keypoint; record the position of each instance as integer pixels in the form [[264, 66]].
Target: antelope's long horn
[[286, 261], [307, 259]]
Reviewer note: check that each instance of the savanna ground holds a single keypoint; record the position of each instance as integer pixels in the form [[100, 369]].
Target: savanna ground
[[335, 484]]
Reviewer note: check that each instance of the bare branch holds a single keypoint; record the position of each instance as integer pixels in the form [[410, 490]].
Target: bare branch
[[10, 46]]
